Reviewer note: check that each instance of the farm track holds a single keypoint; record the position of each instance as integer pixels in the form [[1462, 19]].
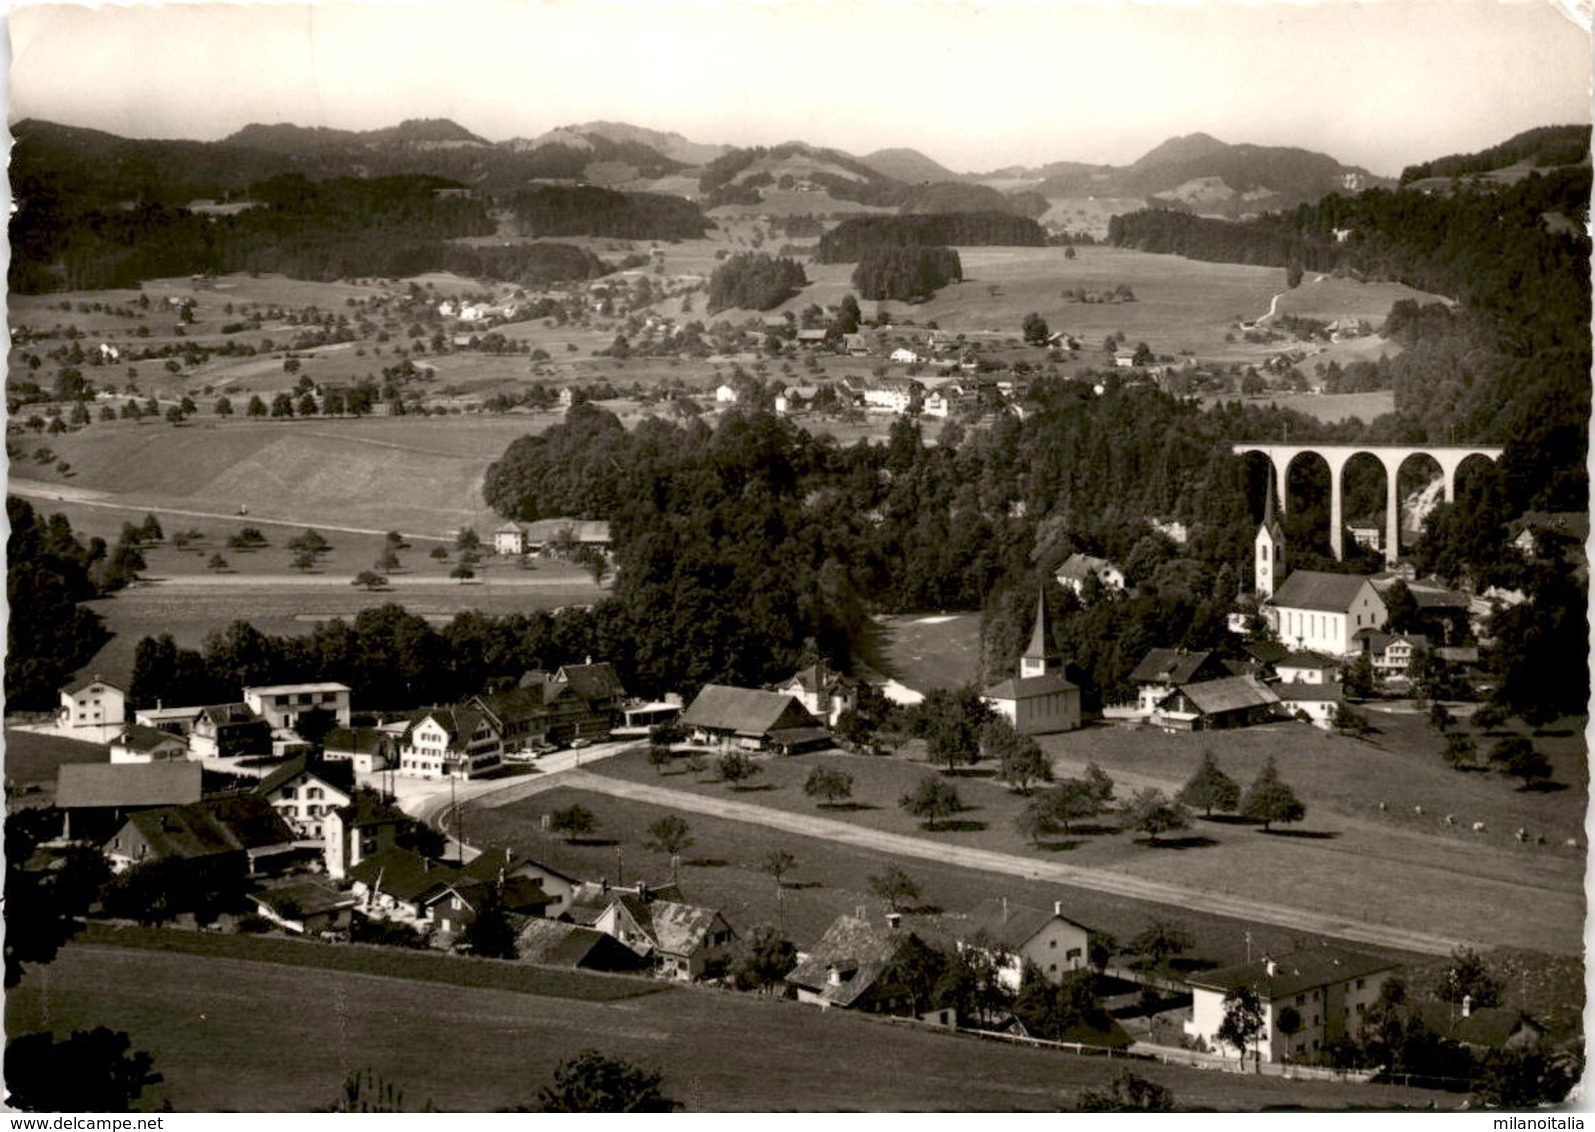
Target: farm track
[[1097, 880]]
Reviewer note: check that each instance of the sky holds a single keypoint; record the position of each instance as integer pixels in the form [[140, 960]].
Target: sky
[[977, 86]]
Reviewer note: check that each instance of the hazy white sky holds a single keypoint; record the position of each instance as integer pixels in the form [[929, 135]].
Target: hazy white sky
[[1378, 83]]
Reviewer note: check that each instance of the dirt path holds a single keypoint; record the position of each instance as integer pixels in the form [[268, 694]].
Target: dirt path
[[1097, 880]]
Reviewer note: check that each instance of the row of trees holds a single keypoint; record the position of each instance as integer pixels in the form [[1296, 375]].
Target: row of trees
[[849, 240]]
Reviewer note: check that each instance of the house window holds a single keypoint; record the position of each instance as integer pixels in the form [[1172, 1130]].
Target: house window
[[1360, 983], [1052, 943], [1073, 954], [290, 792], [313, 792]]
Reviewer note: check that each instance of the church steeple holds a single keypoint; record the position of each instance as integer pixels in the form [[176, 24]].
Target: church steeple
[[1039, 656], [1268, 548]]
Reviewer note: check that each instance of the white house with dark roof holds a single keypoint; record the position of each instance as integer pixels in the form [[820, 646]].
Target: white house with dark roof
[[364, 828], [1322, 612], [1077, 568], [92, 708], [449, 742], [1317, 701], [136, 743], [1162, 670], [1309, 998], [825, 692], [304, 793], [1040, 700], [367, 749], [1302, 667], [685, 941], [509, 539], [1211, 705], [1016, 935]]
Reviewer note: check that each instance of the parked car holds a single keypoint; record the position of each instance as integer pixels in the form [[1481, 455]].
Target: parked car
[[577, 744]]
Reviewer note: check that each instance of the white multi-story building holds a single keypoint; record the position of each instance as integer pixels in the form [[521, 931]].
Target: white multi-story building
[[281, 705]]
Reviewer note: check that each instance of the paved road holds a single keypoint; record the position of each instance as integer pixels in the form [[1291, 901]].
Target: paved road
[[1097, 880]]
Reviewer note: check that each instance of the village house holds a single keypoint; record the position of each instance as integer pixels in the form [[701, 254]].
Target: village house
[[306, 907], [1365, 533], [725, 394], [366, 749], [503, 865], [937, 404], [509, 539], [564, 536], [281, 705], [855, 345], [444, 742], [1041, 700], [1320, 612], [823, 692], [1318, 701], [455, 906], [890, 395], [1162, 671], [95, 799], [229, 731], [397, 883], [1234, 701], [1015, 936], [751, 719], [552, 943], [1393, 653], [305, 792], [1309, 999], [232, 836], [1077, 568], [93, 707], [364, 828], [904, 356], [844, 968], [684, 941], [177, 721], [1300, 667], [136, 743], [1486, 1029]]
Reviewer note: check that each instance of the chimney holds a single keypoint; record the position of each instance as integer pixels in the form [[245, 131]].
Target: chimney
[[894, 920], [862, 912], [1057, 907], [1005, 909], [1467, 1005], [1270, 968], [833, 977], [642, 891]]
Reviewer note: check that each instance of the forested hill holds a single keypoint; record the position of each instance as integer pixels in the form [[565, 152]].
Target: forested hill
[[849, 240], [1542, 148], [1511, 365]]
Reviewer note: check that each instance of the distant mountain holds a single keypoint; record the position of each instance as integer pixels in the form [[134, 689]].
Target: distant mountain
[[418, 133], [671, 145], [741, 176], [1197, 148], [909, 166], [1541, 148]]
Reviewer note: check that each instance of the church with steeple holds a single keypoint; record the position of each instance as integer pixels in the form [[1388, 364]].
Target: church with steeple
[[1041, 699], [1268, 553]]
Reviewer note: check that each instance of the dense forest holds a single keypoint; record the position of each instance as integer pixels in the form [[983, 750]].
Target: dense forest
[[585, 210], [49, 635], [754, 281], [849, 240], [908, 274]]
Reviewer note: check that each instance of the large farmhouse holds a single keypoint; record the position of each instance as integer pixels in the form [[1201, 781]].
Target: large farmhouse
[[753, 720]]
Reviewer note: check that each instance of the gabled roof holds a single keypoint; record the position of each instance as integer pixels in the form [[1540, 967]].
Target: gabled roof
[[591, 681], [553, 943], [338, 775], [1307, 660], [210, 828], [493, 861], [1293, 973], [306, 897], [676, 929], [124, 785], [1314, 589], [819, 677], [505, 709], [1487, 1027], [294, 689], [403, 874], [745, 711], [858, 949], [137, 737], [1378, 642], [1302, 692], [230, 713], [1009, 924], [459, 722], [1079, 567], [1232, 693], [1169, 666], [1023, 688], [510, 529], [83, 682], [582, 530]]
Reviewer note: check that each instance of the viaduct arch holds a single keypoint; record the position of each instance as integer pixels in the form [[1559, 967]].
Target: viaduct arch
[[1392, 456]]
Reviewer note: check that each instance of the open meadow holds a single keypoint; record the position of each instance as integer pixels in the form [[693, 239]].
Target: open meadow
[[462, 1048]]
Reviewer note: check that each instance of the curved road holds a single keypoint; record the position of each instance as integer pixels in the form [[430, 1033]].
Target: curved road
[[1096, 880]]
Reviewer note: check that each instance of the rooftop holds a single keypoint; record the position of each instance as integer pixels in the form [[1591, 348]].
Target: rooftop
[[123, 785], [1293, 973], [1314, 589]]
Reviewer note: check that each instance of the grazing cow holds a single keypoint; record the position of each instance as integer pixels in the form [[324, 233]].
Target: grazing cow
[[1450, 819], [1418, 810], [1522, 834], [1383, 807], [1478, 827], [1572, 843]]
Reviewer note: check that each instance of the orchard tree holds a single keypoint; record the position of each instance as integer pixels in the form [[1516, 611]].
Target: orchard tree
[[573, 821], [1036, 330], [932, 801], [369, 580], [1160, 942], [1210, 789], [659, 756], [1517, 757], [1151, 812], [830, 786], [591, 1082], [670, 835], [736, 768], [778, 862], [1269, 800], [766, 960], [1243, 1023], [895, 887], [1021, 762], [1460, 751]]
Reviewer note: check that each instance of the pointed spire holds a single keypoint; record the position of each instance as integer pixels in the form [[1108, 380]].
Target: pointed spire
[[1268, 499], [1039, 656]]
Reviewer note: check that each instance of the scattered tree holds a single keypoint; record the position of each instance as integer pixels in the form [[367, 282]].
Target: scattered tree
[[1210, 788], [1468, 976], [670, 835], [490, 933], [216, 562], [736, 768], [1151, 812], [1160, 942], [932, 801], [659, 756], [1243, 1022], [591, 1082], [94, 1070], [369, 580], [1518, 757], [831, 786], [765, 961], [894, 886], [574, 821], [1269, 800], [778, 862], [1460, 751], [1128, 1091]]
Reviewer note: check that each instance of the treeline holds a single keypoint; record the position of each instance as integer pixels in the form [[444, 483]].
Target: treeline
[[49, 635], [906, 274], [735, 545], [849, 240], [1171, 232], [1544, 146], [309, 230], [755, 281], [585, 210]]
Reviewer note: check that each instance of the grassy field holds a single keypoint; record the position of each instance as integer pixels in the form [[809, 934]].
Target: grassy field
[[477, 1050], [927, 651], [1327, 407], [1327, 298], [31, 762]]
